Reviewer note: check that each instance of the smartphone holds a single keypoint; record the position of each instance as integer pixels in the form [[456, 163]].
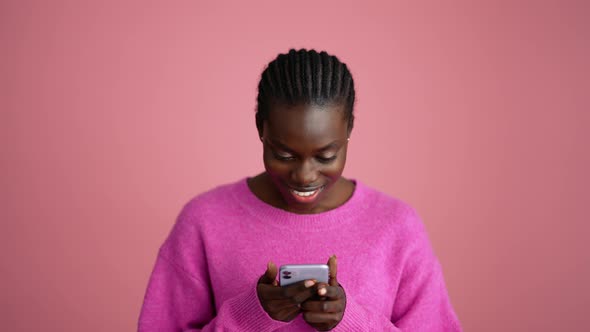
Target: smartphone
[[292, 273]]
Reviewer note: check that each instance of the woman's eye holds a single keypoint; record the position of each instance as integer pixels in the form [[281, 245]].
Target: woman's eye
[[326, 160], [283, 157]]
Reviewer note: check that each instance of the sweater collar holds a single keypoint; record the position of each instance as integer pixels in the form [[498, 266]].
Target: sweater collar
[[274, 216]]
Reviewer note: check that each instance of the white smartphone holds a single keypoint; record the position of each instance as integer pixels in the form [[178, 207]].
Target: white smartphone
[[292, 273]]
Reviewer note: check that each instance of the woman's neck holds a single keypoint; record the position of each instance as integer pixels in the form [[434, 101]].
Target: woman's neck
[[262, 187]]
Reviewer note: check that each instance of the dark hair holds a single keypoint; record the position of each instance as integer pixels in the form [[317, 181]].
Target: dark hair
[[305, 77]]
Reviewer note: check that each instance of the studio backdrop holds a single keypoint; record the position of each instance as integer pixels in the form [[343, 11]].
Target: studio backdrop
[[115, 113]]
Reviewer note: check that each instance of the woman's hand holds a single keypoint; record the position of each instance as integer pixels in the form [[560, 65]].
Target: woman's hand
[[282, 303], [324, 314]]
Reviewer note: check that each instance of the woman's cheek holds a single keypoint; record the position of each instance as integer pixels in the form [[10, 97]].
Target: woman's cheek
[[334, 171], [275, 167]]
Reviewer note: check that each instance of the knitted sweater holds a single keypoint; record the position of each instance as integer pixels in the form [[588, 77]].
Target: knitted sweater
[[206, 272]]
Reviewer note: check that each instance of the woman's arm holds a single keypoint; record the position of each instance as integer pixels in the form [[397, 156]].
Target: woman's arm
[[178, 301], [179, 294], [421, 303]]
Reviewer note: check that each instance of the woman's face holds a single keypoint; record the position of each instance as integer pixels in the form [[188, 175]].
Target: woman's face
[[305, 153]]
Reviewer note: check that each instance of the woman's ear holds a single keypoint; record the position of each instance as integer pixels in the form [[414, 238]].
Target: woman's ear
[[260, 127], [350, 124]]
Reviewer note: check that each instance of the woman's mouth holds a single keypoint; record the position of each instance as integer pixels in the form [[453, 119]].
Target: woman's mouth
[[305, 196]]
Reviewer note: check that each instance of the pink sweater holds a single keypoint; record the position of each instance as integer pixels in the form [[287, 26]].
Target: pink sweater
[[206, 271]]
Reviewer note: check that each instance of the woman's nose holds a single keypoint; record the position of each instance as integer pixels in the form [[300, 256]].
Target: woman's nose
[[304, 174]]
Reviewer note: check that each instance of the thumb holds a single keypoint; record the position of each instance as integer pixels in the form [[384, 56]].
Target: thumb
[[270, 275], [333, 266]]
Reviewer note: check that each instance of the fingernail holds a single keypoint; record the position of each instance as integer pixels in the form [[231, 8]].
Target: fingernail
[[322, 291], [309, 283]]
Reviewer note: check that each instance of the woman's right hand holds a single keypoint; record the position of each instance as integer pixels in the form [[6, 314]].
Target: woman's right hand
[[282, 303]]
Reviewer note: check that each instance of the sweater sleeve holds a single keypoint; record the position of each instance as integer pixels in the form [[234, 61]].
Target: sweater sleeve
[[176, 301], [422, 302], [360, 318], [179, 296]]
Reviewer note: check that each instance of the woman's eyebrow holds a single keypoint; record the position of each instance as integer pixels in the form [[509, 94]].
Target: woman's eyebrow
[[282, 146], [329, 146], [279, 145]]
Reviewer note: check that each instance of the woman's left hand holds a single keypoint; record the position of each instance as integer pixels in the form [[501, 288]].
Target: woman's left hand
[[326, 312]]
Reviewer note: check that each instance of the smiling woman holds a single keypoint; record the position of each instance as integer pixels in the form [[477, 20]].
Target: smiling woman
[[209, 274], [304, 156]]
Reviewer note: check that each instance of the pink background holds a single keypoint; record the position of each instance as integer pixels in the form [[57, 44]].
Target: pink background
[[115, 115]]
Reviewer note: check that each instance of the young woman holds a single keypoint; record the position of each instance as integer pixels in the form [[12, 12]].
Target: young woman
[[210, 272]]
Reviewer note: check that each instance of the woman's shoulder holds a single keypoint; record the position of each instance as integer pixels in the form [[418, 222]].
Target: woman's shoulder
[[389, 208], [382, 200], [212, 201], [198, 212]]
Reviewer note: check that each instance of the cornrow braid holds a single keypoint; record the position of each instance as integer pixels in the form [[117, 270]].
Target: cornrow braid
[[305, 77]]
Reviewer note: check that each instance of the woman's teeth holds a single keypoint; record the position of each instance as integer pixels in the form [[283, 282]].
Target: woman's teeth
[[306, 196], [304, 193]]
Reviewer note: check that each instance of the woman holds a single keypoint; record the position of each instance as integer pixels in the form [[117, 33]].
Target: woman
[[209, 274]]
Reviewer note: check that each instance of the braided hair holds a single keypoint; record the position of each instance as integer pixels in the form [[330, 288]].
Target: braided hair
[[305, 77]]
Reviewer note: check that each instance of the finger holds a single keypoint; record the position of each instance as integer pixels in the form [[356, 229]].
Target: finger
[[332, 264], [300, 291], [323, 306], [276, 306], [270, 292], [282, 310], [330, 292], [288, 314], [321, 317], [270, 275], [297, 292], [320, 290]]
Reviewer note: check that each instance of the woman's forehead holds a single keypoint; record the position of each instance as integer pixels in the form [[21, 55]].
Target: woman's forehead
[[307, 122]]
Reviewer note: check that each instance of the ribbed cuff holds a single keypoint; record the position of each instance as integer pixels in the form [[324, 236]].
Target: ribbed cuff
[[357, 318], [247, 312]]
